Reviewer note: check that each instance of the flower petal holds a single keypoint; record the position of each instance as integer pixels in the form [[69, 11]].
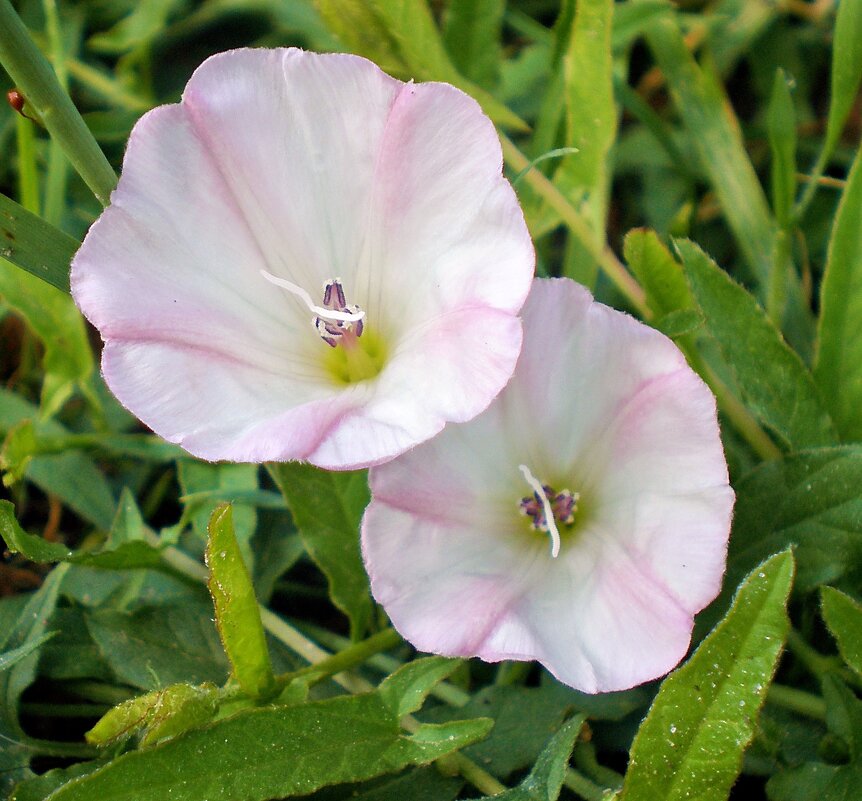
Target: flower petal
[[293, 163], [600, 405]]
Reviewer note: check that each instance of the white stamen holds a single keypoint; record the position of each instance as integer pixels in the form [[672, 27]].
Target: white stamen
[[326, 314], [546, 505]]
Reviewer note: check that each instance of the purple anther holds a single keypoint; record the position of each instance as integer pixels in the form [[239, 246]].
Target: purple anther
[[564, 504]]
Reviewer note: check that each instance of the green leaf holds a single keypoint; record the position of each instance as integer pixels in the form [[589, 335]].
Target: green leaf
[[31, 244], [53, 317], [838, 365], [132, 554], [275, 752], [159, 715], [775, 383], [584, 176], [679, 323], [158, 646], [10, 658], [846, 69], [406, 689], [781, 127], [714, 131], [818, 781], [843, 615], [236, 608], [657, 271], [691, 743], [811, 500], [327, 508], [473, 32], [545, 780]]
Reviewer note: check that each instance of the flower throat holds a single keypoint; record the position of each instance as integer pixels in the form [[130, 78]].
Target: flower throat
[[352, 357]]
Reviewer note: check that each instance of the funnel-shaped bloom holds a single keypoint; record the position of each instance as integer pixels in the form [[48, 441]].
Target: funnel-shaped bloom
[[307, 259], [582, 520]]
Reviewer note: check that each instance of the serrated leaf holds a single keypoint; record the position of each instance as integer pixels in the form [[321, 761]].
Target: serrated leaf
[[306, 747], [775, 383], [838, 364], [846, 69], [691, 743], [545, 780], [843, 615], [236, 608], [810, 500], [327, 508]]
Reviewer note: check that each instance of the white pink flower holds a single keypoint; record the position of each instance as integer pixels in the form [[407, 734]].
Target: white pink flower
[[307, 259], [582, 520]]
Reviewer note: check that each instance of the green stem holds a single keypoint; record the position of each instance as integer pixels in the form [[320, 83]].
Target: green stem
[[33, 75], [512, 673], [58, 172], [28, 176], [106, 87], [352, 656], [816, 663], [582, 786], [776, 291], [811, 187], [59, 749], [574, 220], [313, 653], [482, 780], [585, 759], [812, 706]]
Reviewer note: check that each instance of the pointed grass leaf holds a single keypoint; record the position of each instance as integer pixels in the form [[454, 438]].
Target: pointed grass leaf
[[545, 780], [275, 752], [473, 36], [10, 658], [715, 133], [33, 245], [781, 129], [776, 385], [843, 616], [846, 69], [838, 366], [236, 608], [691, 743], [591, 124], [327, 509]]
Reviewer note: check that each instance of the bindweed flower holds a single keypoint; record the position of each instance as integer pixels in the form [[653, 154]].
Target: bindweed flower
[[307, 259], [582, 520]]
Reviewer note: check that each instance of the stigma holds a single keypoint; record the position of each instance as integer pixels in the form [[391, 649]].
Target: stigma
[[547, 508], [335, 321]]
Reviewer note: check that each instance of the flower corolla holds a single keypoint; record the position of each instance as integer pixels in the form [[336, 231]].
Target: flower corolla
[[307, 259], [581, 520]]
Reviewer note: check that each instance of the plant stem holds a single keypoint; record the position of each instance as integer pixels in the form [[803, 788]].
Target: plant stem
[[574, 220], [812, 706], [350, 657], [33, 75], [55, 183], [313, 653], [816, 663], [581, 785]]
